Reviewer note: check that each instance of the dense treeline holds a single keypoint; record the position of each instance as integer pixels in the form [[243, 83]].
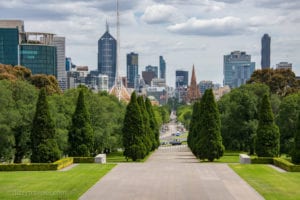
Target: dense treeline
[[240, 117], [18, 100], [103, 114], [260, 117]]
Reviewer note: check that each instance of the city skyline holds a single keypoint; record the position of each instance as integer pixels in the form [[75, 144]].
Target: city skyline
[[183, 32]]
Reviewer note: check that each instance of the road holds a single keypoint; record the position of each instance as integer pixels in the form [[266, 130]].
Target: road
[[171, 173]]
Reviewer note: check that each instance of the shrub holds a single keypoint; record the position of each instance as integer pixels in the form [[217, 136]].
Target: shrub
[[83, 159], [286, 165], [29, 167], [65, 162], [262, 160]]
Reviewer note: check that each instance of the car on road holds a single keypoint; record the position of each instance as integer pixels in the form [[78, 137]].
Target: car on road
[[176, 142]]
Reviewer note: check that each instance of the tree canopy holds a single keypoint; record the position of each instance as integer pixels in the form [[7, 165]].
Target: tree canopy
[[209, 140], [44, 147], [81, 136], [267, 143], [280, 81], [133, 133]]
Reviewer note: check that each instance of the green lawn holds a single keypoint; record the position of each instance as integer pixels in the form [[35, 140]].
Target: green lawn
[[51, 184], [270, 183], [228, 157]]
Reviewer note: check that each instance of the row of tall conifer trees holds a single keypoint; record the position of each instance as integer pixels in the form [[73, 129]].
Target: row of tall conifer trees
[[205, 138], [140, 128], [44, 147]]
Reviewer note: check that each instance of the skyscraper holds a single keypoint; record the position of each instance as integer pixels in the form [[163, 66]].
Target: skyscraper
[[107, 56], [162, 67], [204, 85], [60, 43], [237, 68], [38, 53], [265, 51], [9, 41], [154, 69], [182, 78], [132, 69]]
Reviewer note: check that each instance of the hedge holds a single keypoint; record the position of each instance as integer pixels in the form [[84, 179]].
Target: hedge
[[262, 160], [29, 167], [65, 162], [286, 165], [83, 159], [57, 165]]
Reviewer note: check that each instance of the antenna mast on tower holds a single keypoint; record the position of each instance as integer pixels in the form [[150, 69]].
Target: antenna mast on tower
[[118, 41], [118, 89]]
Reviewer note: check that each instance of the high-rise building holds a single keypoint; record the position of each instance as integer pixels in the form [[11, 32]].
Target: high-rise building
[[265, 52], [204, 85], [242, 74], [162, 67], [107, 56], [38, 53], [60, 43], [9, 41], [132, 69], [284, 65], [237, 68], [148, 76], [182, 78], [68, 64], [154, 69]]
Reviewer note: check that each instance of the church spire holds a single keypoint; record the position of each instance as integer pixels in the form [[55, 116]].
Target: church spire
[[193, 90]]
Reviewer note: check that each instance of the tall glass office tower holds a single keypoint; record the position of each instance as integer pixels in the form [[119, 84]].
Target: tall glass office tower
[[265, 51], [9, 41], [132, 69], [107, 56], [237, 68], [162, 67], [182, 78], [38, 53]]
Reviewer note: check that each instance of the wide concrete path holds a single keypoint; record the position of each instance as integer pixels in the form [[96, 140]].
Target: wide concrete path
[[171, 173]]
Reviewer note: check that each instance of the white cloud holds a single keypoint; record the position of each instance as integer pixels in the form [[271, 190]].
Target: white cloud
[[265, 20], [282, 4], [161, 13], [210, 27]]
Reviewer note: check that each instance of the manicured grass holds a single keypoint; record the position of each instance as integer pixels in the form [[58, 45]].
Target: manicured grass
[[229, 157], [51, 184], [117, 157], [270, 183]]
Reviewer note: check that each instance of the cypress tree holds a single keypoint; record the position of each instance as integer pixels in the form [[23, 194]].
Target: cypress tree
[[148, 138], [81, 136], [209, 145], [194, 126], [267, 142], [153, 124], [134, 147], [44, 147], [296, 150]]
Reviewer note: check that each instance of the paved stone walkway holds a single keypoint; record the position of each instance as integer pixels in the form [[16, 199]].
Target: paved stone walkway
[[171, 173]]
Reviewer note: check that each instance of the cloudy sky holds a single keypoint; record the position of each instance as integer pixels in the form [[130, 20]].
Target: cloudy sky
[[185, 32]]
